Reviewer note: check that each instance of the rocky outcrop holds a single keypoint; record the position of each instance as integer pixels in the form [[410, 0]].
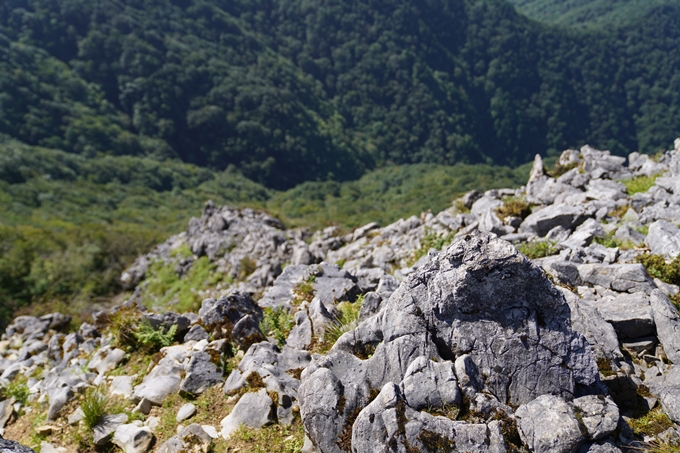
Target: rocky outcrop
[[474, 347], [482, 301]]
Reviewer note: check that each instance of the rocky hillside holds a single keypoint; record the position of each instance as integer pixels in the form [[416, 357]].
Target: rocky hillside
[[537, 319]]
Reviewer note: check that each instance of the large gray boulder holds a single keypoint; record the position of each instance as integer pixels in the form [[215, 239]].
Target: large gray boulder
[[479, 297]]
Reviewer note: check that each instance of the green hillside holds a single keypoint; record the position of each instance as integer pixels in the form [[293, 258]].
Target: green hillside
[[595, 13], [71, 225], [291, 91]]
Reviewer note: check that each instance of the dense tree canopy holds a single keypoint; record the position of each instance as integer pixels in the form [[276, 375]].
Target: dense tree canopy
[[289, 91]]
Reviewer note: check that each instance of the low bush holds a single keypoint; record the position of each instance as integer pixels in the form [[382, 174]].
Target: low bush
[[514, 207], [16, 389], [277, 322], [657, 266], [639, 184], [538, 249], [152, 339]]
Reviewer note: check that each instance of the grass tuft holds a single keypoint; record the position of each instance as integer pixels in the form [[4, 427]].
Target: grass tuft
[[651, 423], [94, 406]]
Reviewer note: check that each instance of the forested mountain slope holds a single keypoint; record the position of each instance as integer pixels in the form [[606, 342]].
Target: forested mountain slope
[[596, 13], [290, 91]]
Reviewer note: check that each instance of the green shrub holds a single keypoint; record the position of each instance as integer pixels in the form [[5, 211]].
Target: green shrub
[[639, 184], [305, 290], [657, 267], [537, 249], [123, 324], [16, 389], [560, 169], [166, 289], [608, 241], [94, 406], [514, 207], [154, 339], [277, 322]]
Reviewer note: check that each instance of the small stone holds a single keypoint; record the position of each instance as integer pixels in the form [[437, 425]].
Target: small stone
[[152, 422], [190, 439], [211, 430], [46, 430], [133, 439], [185, 412], [144, 407], [76, 416], [122, 385], [103, 432], [253, 410], [46, 447]]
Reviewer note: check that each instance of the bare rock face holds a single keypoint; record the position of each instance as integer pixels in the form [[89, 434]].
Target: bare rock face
[[480, 299]]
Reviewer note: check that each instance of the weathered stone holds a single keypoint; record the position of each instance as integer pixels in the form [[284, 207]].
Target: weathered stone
[[669, 393], [563, 215], [630, 236], [667, 324], [196, 333], [163, 380], [185, 412], [429, 384], [548, 425], [103, 432], [122, 385], [202, 372], [220, 316], [631, 278], [389, 421], [191, 439], [6, 411], [599, 415], [663, 239], [630, 314], [58, 399], [301, 335], [586, 320], [106, 359], [133, 439], [253, 410]]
